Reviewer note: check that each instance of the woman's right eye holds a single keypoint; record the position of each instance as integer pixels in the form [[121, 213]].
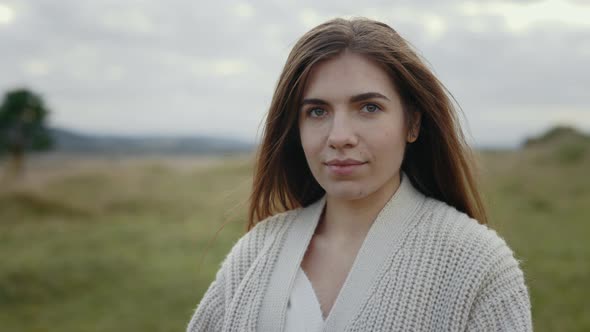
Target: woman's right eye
[[316, 112]]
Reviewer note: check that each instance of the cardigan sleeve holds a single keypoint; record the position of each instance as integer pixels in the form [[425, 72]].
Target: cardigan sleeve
[[211, 311], [502, 303]]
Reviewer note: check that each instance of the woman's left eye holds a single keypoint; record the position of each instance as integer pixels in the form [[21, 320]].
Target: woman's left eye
[[371, 108]]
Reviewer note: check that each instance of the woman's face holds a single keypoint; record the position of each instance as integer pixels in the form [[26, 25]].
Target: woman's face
[[352, 127]]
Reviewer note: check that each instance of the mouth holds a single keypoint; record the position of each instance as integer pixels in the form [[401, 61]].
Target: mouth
[[344, 162], [344, 167]]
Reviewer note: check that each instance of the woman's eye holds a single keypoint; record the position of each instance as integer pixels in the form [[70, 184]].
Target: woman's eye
[[371, 108], [316, 112]]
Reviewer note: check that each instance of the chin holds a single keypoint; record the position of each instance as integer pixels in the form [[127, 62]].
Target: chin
[[346, 192]]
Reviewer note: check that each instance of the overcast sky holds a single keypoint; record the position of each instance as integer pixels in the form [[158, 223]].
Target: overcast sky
[[210, 67]]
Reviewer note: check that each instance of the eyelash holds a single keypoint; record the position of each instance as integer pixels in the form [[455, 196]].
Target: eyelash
[[309, 112]]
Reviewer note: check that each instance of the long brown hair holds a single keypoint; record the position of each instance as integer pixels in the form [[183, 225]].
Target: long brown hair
[[439, 163]]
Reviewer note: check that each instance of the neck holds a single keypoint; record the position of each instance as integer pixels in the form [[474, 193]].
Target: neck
[[351, 219]]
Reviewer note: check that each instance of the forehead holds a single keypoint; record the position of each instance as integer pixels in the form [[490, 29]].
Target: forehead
[[346, 75]]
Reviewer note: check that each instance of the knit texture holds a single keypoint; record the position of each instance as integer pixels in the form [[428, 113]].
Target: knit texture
[[442, 272]]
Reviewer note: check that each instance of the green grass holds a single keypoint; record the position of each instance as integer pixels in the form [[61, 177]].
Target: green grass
[[540, 203], [121, 248], [118, 250]]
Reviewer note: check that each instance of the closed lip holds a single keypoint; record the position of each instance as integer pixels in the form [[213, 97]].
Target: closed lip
[[344, 162]]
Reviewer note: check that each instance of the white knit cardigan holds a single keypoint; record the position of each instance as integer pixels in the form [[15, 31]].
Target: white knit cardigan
[[423, 266]]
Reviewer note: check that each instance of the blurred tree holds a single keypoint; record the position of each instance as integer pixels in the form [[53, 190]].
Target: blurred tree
[[23, 128]]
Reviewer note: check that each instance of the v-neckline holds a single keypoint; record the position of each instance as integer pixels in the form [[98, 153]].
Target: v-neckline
[[313, 295], [384, 239]]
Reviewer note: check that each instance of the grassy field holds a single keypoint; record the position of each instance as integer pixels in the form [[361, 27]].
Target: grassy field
[[119, 245]]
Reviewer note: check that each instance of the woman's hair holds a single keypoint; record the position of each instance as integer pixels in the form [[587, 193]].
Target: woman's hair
[[439, 163]]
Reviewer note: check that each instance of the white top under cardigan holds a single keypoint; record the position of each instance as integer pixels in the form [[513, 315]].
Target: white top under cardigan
[[423, 266], [303, 308]]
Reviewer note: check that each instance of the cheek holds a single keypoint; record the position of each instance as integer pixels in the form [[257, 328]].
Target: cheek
[[388, 144], [303, 137], [305, 140], [310, 147], [311, 140]]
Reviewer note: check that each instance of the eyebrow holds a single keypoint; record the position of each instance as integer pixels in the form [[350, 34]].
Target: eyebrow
[[353, 99]]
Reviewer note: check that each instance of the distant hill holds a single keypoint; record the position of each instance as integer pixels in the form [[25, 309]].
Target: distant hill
[[73, 142], [561, 145], [558, 135]]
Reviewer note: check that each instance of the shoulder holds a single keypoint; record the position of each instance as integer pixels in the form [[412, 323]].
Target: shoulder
[[272, 225], [249, 248], [471, 244], [479, 267], [252, 243], [459, 227]]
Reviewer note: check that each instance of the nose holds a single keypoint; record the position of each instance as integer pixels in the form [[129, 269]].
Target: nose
[[342, 133]]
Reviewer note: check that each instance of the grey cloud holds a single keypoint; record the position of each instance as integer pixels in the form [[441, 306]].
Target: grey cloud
[[486, 70]]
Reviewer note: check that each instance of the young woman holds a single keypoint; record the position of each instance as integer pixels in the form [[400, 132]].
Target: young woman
[[365, 214]]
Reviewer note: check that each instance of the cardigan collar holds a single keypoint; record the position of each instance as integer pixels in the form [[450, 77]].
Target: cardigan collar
[[384, 239]]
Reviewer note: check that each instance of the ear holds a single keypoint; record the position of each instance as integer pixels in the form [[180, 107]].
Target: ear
[[414, 132]]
